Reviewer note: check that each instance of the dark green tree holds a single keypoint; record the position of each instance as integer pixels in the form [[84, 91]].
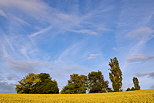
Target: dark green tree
[[115, 75], [96, 83], [26, 85], [37, 84], [47, 85], [128, 89], [76, 85], [136, 83]]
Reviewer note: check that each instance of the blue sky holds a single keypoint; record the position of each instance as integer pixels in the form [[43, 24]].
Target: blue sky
[[62, 37]]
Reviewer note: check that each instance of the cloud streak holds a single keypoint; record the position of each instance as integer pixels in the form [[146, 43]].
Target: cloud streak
[[2, 13], [141, 33], [139, 58], [150, 74], [23, 66], [84, 31], [92, 56], [152, 87], [31, 7], [66, 37], [7, 87], [42, 31]]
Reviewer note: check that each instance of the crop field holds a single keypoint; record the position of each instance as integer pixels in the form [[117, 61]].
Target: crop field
[[141, 96]]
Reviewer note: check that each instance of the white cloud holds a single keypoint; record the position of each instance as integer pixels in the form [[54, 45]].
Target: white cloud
[[66, 67], [150, 74], [152, 87], [22, 65], [42, 31], [7, 47], [141, 36], [2, 13], [141, 33], [44, 13], [21, 47], [7, 87], [13, 77], [31, 7], [92, 56], [139, 58], [84, 31], [71, 51], [18, 20], [27, 56]]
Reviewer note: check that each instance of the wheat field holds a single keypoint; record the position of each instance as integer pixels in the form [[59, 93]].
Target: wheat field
[[141, 96]]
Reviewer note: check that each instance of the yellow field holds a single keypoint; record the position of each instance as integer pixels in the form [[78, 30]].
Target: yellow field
[[142, 96]]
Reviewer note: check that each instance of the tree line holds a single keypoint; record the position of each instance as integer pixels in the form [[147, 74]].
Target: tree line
[[94, 82]]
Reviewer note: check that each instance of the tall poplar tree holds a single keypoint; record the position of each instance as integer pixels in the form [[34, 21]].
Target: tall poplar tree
[[136, 83], [115, 74]]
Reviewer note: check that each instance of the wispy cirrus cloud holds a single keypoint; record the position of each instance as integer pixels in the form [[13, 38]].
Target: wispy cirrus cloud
[[42, 31], [141, 33], [84, 31], [139, 58], [150, 74], [17, 46], [38, 35], [22, 66], [31, 7], [7, 87], [92, 56], [2, 13], [67, 67], [13, 77], [57, 19], [152, 87], [134, 31], [30, 59]]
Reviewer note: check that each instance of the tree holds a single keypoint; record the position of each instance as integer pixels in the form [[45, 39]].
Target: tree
[[47, 86], [37, 84], [96, 83], [136, 83], [27, 84], [76, 85], [115, 75], [128, 89]]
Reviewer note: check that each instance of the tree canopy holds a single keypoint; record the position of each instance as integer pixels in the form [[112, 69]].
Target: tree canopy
[[37, 84], [76, 85], [97, 84], [136, 83], [94, 82], [115, 74]]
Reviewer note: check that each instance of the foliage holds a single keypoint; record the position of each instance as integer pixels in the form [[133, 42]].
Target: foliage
[[141, 96], [136, 83], [128, 89], [37, 84], [76, 85], [115, 75], [97, 84], [93, 83]]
